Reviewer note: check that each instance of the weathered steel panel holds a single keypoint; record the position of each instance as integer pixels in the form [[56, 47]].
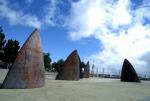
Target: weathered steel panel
[[71, 67], [128, 73], [27, 70]]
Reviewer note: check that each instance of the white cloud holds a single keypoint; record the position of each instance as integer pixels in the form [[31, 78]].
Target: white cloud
[[120, 29], [87, 17], [50, 12], [121, 14], [17, 17]]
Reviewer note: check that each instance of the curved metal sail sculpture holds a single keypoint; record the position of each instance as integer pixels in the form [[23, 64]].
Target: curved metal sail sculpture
[[27, 70], [128, 73]]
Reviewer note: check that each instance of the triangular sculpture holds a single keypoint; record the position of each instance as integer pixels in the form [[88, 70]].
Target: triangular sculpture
[[27, 70], [128, 73], [86, 73], [71, 67]]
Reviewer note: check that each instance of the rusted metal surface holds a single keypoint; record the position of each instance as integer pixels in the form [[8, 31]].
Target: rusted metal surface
[[71, 67], [128, 73], [28, 69], [86, 73]]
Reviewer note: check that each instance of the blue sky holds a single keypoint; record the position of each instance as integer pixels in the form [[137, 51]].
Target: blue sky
[[54, 41], [103, 31], [55, 38]]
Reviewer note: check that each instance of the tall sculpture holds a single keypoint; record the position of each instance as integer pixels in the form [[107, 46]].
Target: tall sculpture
[[71, 67], [27, 70], [128, 73], [86, 73]]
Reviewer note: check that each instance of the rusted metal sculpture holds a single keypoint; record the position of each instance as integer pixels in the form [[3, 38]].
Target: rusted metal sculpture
[[128, 73], [28, 69], [86, 73], [71, 67]]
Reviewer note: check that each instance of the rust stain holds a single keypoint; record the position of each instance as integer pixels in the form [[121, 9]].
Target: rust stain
[[28, 69], [71, 67]]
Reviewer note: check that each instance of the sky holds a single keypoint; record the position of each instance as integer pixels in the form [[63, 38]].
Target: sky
[[104, 32]]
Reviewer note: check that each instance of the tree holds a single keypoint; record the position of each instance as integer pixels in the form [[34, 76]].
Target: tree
[[47, 62], [92, 72], [57, 66], [11, 50], [2, 39], [2, 43], [82, 66]]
